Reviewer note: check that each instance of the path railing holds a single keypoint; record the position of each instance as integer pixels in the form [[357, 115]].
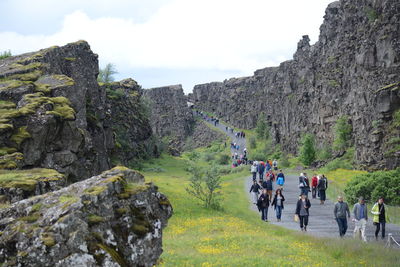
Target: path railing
[[391, 241]]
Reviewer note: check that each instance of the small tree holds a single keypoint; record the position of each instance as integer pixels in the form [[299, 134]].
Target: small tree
[[262, 129], [343, 131], [106, 74], [5, 54], [307, 150], [205, 186]]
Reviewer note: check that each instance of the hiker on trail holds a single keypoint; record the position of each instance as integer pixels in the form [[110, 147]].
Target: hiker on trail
[[381, 217], [314, 186], [268, 166], [245, 151], [253, 170], [302, 211], [322, 186], [304, 184], [340, 211], [254, 190], [275, 165], [267, 184], [360, 214], [271, 175], [280, 180], [263, 204], [260, 170], [278, 203]]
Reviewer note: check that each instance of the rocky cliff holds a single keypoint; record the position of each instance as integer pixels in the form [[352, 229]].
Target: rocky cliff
[[353, 69], [113, 219], [171, 119], [54, 114]]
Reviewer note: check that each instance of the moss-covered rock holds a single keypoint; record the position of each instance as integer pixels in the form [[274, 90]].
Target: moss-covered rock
[[92, 230]]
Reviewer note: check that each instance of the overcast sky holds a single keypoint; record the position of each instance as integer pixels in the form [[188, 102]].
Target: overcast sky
[[163, 42]]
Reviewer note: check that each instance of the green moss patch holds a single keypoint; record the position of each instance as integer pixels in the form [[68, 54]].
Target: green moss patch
[[20, 135], [48, 239], [9, 161], [115, 255], [27, 179], [95, 219], [95, 190]]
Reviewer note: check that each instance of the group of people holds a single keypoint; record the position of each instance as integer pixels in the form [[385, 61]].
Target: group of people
[[211, 119], [262, 197]]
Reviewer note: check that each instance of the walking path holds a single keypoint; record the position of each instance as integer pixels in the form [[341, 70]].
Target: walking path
[[321, 220]]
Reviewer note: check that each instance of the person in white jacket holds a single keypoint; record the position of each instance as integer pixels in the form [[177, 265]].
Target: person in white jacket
[[253, 170]]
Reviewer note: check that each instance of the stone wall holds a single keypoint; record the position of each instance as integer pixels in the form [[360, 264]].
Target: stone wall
[[353, 69]]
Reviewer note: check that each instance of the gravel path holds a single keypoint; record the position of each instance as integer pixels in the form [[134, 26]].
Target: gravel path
[[321, 220]]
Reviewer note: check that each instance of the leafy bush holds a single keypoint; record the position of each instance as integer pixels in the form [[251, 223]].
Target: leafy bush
[[307, 150], [284, 161], [343, 131], [205, 185], [374, 185], [223, 159], [252, 142], [193, 155], [344, 162], [106, 75], [325, 152], [262, 129], [209, 157]]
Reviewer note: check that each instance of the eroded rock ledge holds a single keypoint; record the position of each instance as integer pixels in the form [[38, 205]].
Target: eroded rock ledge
[[113, 219]]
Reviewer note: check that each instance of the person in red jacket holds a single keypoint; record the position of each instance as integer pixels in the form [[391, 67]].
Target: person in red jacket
[[314, 185]]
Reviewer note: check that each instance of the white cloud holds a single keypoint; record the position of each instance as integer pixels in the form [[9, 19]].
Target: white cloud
[[190, 34]]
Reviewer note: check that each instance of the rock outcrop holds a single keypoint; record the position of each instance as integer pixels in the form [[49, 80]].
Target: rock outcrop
[[353, 69], [113, 219], [54, 114], [128, 132], [171, 118], [203, 135]]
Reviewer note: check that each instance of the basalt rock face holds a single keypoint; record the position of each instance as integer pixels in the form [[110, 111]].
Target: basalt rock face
[[171, 118], [203, 135], [353, 69], [128, 131], [46, 97], [113, 219]]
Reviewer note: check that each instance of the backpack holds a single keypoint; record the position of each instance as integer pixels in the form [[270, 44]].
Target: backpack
[[322, 184]]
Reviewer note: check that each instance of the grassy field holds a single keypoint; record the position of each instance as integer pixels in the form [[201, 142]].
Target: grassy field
[[235, 236]]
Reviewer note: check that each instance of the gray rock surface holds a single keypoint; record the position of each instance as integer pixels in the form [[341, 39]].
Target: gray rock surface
[[113, 219], [203, 135], [353, 69], [171, 118]]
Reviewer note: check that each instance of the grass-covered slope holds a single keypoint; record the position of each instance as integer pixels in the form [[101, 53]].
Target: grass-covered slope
[[235, 236]]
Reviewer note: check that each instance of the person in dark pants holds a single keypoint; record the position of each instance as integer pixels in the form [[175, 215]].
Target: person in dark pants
[[260, 170], [322, 186], [254, 190], [263, 204], [380, 212], [340, 211], [302, 210], [253, 170], [278, 204]]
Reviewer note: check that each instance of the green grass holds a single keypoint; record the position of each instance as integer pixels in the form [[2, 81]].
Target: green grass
[[235, 236], [27, 179]]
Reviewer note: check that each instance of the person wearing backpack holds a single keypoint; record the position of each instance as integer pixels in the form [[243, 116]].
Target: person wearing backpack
[[380, 212], [267, 184], [314, 184], [304, 184], [260, 170], [322, 186], [263, 204], [278, 204]]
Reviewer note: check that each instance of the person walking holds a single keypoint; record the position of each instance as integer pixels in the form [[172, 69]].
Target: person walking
[[260, 170], [263, 204], [267, 184], [340, 211], [322, 187], [277, 203], [304, 184], [380, 212], [253, 170], [314, 186], [302, 211], [280, 180], [275, 165], [360, 214], [254, 190]]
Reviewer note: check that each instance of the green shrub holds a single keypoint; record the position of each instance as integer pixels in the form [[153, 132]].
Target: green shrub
[[209, 157], [193, 155], [284, 161], [307, 150], [262, 128], [343, 131], [252, 142], [325, 152], [5, 54], [223, 159], [374, 185]]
